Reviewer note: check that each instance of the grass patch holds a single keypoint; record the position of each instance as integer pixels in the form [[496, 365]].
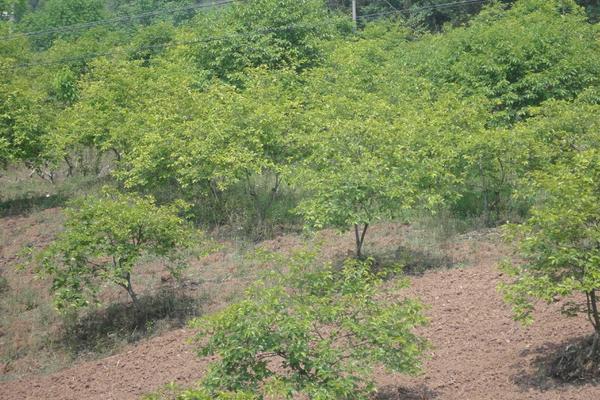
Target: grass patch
[[33, 336], [424, 243], [101, 331], [4, 285], [27, 196]]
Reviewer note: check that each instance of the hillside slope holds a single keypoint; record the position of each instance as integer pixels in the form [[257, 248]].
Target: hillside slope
[[478, 351]]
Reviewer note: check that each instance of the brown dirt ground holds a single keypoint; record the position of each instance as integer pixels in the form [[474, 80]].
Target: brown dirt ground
[[478, 351]]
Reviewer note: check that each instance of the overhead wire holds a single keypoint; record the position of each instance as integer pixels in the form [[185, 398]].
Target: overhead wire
[[125, 18], [171, 44], [234, 35], [415, 9], [391, 5]]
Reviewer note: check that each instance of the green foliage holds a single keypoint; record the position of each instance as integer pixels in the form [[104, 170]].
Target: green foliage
[[97, 120], [377, 145], [211, 140], [103, 241], [560, 239], [151, 41], [313, 330], [127, 7], [390, 118], [558, 130], [255, 33], [11, 50], [23, 124], [77, 53], [64, 87], [535, 51], [560, 179], [421, 14], [59, 13], [172, 148]]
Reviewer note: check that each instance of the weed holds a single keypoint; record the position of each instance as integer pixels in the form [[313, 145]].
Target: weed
[[104, 329], [4, 286], [27, 196]]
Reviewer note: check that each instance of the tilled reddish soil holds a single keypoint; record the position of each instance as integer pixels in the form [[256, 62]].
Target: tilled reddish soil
[[478, 351], [127, 375]]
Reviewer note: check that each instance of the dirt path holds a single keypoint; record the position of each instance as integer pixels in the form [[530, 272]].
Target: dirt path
[[478, 353]]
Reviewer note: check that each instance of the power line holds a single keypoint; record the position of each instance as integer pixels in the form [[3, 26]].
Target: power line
[[414, 9], [84, 25], [170, 44], [391, 5], [234, 35], [74, 27]]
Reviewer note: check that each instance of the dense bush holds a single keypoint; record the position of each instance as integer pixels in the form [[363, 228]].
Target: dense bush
[[267, 114], [314, 330], [103, 241], [560, 245]]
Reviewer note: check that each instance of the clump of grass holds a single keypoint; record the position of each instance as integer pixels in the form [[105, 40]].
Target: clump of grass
[[4, 285], [421, 242], [29, 195], [27, 323], [103, 330], [425, 245]]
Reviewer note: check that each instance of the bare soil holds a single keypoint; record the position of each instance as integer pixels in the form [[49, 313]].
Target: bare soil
[[478, 351]]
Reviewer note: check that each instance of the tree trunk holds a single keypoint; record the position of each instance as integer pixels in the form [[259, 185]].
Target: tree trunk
[[594, 315], [131, 292], [360, 238], [98, 164], [69, 166], [484, 188], [117, 154]]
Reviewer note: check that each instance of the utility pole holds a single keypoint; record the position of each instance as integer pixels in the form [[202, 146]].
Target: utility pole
[[354, 13]]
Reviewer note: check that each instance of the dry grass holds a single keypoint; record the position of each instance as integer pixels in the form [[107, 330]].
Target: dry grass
[[34, 338]]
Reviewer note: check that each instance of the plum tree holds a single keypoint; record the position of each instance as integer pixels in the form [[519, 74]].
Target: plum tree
[[311, 329], [560, 244], [103, 241]]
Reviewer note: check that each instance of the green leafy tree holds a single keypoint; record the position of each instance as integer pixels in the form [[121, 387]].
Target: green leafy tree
[[517, 58], [108, 97], [24, 121], [560, 243], [377, 145], [496, 161], [275, 34], [104, 240], [312, 330], [215, 140], [55, 14], [195, 141]]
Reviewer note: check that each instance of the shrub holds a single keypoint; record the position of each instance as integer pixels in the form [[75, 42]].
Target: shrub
[[560, 244], [313, 331], [103, 241]]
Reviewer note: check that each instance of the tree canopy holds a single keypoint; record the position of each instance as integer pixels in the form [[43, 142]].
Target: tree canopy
[[288, 112]]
